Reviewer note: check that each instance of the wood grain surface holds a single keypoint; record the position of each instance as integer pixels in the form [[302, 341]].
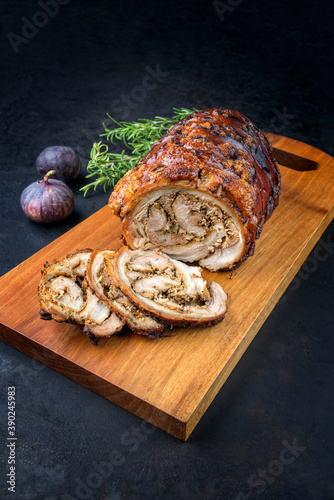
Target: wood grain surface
[[171, 381]]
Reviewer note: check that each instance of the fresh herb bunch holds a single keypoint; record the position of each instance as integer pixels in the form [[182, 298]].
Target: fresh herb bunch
[[138, 138]]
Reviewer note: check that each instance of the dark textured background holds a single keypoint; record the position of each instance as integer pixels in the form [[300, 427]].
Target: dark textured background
[[264, 59]]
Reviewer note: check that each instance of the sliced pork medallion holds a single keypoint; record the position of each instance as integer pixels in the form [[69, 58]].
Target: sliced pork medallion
[[64, 295], [167, 288], [105, 289], [203, 192]]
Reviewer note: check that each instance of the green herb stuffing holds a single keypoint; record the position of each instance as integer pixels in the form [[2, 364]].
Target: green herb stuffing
[[138, 138]]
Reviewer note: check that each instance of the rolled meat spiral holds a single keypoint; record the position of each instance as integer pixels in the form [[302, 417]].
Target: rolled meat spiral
[[166, 288], [104, 286], [103, 289], [203, 192], [64, 295]]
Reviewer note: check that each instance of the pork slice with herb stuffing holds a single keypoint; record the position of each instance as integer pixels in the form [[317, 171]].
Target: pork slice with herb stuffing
[[168, 289], [64, 295], [104, 287]]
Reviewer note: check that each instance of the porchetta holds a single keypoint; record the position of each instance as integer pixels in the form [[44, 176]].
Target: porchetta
[[203, 192]]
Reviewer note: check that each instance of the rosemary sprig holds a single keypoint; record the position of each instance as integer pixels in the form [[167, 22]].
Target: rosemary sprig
[[138, 138], [108, 167]]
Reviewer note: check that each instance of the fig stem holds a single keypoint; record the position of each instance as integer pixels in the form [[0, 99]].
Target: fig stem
[[46, 176]]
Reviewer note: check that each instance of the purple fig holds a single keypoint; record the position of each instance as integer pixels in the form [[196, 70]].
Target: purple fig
[[48, 200], [63, 159]]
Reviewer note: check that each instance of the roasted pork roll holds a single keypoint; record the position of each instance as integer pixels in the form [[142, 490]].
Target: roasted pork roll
[[168, 289], [203, 192], [105, 289], [64, 295]]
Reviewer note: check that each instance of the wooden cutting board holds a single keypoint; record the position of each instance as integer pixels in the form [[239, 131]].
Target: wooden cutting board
[[171, 381]]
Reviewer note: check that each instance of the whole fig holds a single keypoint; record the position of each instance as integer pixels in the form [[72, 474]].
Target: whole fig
[[63, 159], [48, 200]]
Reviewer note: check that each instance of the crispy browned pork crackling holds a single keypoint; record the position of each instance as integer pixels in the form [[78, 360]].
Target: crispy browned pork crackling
[[203, 192], [147, 290]]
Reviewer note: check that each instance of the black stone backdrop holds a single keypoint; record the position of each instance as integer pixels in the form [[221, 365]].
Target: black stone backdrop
[[64, 65]]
